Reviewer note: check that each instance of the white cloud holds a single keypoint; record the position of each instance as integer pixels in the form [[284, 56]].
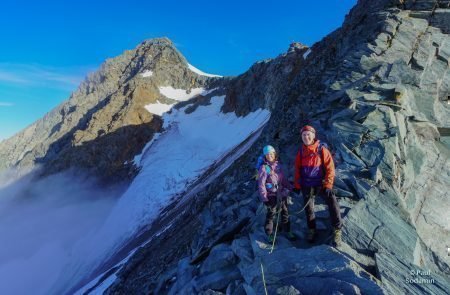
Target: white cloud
[[11, 77], [41, 75], [6, 104], [41, 220]]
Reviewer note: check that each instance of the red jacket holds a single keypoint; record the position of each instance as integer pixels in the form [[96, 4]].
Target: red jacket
[[309, 169]]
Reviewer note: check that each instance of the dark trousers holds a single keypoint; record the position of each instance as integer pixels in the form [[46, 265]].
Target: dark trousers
[[333, 206], [272, 212]]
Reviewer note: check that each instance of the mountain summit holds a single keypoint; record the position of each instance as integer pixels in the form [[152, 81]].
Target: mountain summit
[[105, 122]]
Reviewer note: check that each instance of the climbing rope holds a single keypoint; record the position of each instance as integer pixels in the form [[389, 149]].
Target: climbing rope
[[278, 211], [312, 194], [276, 227], [304, 207], [264, 279]]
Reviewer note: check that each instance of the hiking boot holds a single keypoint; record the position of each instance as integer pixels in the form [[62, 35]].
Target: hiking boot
[[337, 237], [311, 237], [290, 236], [270, 238]]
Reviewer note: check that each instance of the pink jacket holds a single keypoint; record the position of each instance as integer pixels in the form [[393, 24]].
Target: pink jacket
[[271, 180]]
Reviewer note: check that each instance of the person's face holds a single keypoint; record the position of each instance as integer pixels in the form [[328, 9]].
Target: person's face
[[270, 157], [308, 137]]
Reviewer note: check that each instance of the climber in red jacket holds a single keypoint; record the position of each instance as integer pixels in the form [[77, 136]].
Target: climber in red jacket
[[314, 175]]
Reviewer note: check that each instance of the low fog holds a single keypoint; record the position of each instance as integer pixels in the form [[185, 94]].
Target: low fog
[[40, 222]]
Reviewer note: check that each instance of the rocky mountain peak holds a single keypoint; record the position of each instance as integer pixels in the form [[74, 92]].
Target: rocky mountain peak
[[110, 103], [297, 46], [151, 55]]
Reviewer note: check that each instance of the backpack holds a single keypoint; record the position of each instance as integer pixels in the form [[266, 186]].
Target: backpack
[[259, 163]]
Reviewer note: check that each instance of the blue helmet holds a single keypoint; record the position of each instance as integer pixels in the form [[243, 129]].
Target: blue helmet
[[268, 149]]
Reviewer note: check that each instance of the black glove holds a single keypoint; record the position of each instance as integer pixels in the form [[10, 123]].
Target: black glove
[[329, 192]]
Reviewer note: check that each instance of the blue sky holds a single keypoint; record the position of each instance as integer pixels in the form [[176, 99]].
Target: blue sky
[[48, 47]]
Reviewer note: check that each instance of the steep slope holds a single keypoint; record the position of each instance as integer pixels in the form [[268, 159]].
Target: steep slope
[[100, 133], [104, 123], [376, 90], [182, 159]]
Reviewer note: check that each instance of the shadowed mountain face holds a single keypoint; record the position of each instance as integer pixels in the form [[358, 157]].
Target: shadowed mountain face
[[104, 123], [377, 92]]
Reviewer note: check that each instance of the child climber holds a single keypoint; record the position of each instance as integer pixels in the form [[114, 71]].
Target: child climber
[[314, 175], [274, 189]]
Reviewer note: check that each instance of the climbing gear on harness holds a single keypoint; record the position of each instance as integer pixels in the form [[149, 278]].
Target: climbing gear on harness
[[270, 238]]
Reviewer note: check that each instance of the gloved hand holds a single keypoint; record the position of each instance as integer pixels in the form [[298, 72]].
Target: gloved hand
[[329, 192], [296, 190], [289, 201]]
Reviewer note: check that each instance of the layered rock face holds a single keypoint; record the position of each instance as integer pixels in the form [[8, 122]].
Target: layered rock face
[[104, 123], [377, 91]]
